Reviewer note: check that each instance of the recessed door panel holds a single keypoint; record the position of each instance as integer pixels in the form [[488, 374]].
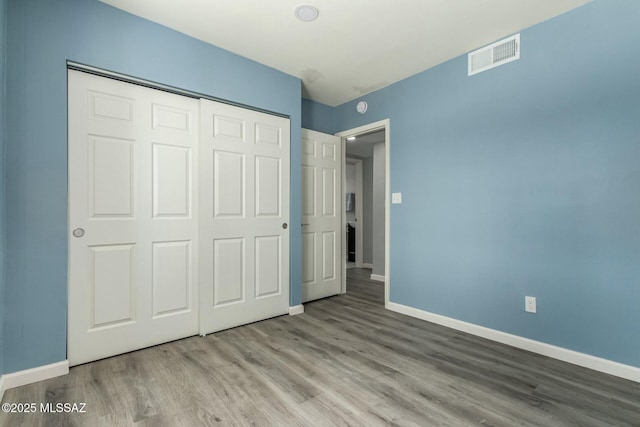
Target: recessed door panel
[[229, 128], [171, 181], [111, 176], [329, 151], [308, 257], [228, 271], [112, 285], [107, 106], [175, 119], [328, 255], [267, 186], [308, 190], [267, 266], [329, 190], [171, 277], [229, 188], [308, 147], [266, 134]]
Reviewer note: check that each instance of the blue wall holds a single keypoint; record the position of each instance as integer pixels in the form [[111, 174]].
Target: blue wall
[[317, 116], [42, 36], [524, 180], [3, 23]]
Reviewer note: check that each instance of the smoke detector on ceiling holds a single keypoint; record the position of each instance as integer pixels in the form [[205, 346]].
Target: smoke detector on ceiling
[[306, 13]]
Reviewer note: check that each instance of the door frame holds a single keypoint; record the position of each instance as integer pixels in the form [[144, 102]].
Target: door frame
[[381, 124], [357, 163]]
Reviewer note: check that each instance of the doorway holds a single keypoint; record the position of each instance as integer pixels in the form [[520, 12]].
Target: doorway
[[370, 144]]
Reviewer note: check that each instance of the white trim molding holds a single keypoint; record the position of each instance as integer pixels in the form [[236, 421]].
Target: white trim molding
[[33, 375], [367, 265], [581, 359], [377, 277], [296, 309]]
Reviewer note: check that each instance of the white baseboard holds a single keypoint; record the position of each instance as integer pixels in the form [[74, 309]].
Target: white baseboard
[[296, 309], [377, 277], [585, 360], [367, 265], [33, 375]]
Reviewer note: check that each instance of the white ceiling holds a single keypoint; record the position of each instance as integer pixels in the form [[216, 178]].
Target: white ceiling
[[355, 46]]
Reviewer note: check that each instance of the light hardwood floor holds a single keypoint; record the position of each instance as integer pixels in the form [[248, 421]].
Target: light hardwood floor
[[345, 361]]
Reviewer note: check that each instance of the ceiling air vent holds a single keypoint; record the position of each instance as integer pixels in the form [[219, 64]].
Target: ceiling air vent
[[491, 56]]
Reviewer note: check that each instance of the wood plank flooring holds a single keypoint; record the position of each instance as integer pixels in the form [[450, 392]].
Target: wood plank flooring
[[345, 361]]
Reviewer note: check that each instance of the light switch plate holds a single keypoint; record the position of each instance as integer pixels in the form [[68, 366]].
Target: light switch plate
[[396, 198]]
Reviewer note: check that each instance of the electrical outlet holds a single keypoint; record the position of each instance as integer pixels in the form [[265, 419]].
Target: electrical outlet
[[530, 304], [396, 198]]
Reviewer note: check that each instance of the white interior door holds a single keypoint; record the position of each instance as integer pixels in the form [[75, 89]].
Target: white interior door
[[132, 217], [244, 216], [322, 231]]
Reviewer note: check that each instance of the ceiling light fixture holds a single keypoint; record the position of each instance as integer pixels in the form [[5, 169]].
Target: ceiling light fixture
[[351, 138], [306, 13]]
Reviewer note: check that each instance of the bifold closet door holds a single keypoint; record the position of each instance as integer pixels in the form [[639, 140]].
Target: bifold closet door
[[133, 244], [244, 216]]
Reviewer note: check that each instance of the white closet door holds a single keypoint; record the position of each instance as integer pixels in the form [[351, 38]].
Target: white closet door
[[244, 216], [322, 230], [132, 217]]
